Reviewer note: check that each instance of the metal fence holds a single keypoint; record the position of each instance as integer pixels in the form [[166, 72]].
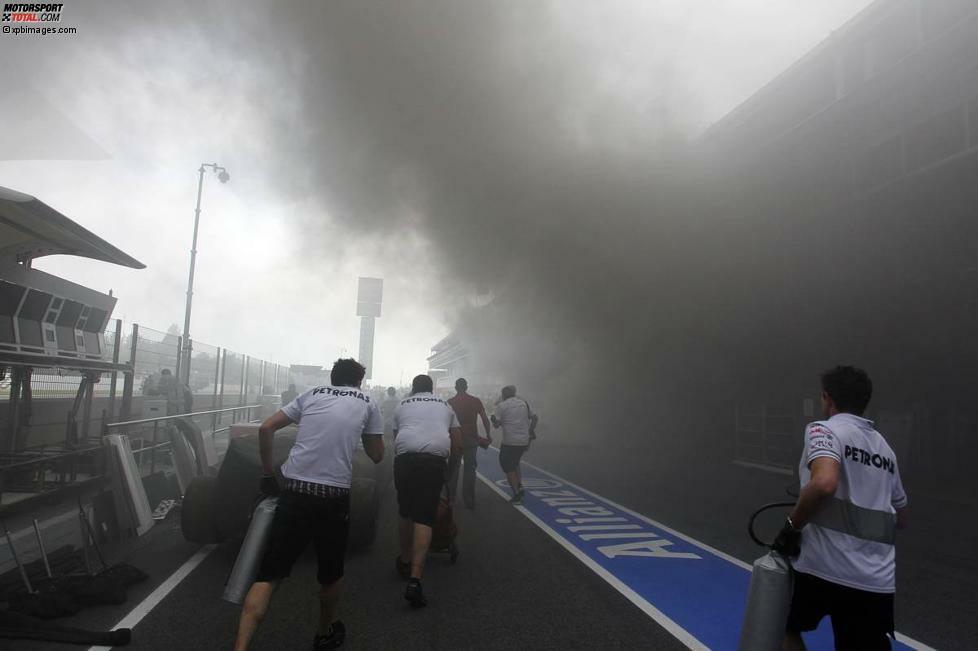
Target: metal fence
[[217, 378]]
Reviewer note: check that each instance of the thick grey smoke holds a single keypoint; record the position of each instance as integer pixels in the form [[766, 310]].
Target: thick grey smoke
[[490, 129], [483, 125], [621, 270]]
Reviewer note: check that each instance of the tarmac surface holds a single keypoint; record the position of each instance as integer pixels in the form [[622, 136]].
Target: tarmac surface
[[514, 586], [711, 500]]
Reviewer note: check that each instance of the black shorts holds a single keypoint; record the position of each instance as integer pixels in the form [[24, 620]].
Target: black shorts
[[510, 455], [298, 519], [860, 619], [419, 479]]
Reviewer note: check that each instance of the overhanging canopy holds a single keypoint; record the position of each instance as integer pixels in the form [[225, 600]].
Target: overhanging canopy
[[30, 228]]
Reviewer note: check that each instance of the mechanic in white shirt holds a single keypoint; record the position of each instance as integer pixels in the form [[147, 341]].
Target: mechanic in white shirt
[[424, 425], [519, 423], [315, 504], [851, 503]]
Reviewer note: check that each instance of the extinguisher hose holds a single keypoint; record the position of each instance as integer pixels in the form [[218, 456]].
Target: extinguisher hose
[[766, 507]]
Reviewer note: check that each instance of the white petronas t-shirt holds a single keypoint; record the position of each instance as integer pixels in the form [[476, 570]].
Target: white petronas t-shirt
[[331, 422], [850, 540], [422, 423], [514, 416]]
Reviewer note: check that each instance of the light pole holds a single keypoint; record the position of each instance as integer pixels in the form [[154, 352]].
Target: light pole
[[223, 177]]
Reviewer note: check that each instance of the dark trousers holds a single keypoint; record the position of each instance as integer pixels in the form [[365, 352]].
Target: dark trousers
[[466, 456]]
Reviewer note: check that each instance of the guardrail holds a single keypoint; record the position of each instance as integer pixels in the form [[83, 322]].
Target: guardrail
[[45, 470], [155, 421]]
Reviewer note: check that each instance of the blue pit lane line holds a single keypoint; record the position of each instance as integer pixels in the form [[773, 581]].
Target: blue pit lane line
[[694, 591]]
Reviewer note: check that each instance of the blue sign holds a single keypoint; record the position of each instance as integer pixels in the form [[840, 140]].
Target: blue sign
[[694, 591]]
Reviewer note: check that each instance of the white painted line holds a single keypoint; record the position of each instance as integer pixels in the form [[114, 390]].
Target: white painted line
[[660, 618], [154, 598], [655, 523], [900, 637], [912, 643]]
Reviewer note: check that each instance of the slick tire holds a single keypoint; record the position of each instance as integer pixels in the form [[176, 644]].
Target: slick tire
[[198, 515]]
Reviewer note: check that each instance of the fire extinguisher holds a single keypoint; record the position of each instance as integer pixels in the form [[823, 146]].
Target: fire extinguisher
[[769, 596]]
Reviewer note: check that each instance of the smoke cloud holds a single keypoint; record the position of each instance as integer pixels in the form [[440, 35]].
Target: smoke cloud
[[507, 149]]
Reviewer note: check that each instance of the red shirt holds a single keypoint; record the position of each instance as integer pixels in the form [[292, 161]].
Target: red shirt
[[468, 409]]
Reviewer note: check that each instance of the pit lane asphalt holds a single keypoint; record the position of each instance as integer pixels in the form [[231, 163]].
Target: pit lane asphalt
[[513, 587], [711, 499]]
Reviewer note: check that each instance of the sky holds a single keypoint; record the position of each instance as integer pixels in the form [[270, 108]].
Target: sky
[[352, 132]]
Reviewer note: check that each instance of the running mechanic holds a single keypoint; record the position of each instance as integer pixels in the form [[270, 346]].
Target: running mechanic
[[850, 505], [468, 409], [315, 504], [519, 423], [423, 428]]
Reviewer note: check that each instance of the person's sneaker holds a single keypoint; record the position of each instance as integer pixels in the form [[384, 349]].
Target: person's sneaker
[[404, 569], [414, 594], [516, 499], [334, 640]]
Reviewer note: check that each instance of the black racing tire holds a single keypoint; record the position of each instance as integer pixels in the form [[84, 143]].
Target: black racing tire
[[198, 513]]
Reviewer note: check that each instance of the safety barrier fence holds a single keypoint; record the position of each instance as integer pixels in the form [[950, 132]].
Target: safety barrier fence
[[147, 432], [50, 431]]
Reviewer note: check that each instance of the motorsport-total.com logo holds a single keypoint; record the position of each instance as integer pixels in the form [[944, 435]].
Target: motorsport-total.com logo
[[31, 12]]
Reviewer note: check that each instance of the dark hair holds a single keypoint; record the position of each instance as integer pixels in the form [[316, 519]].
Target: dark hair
[[165, 371], [461, 382], [347, 373], [422, 384], [509, 391], [391, 391], [849, 387]]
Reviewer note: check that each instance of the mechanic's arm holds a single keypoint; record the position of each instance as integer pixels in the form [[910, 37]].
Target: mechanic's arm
[[533, 424], [266, 433], [821, 486], [485, 422], [373, 445]]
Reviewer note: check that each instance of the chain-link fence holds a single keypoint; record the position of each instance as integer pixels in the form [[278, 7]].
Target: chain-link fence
[[205, 361], [232, 374], [216, 378], [277, 378], [156, 354]]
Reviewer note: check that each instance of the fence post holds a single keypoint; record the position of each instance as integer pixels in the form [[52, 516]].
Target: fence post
[[179, 368], [152, 450], [220, 396], [115, 360], [13, 413], [242, 388], [129, 377], [217, 377], [91, 378]]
